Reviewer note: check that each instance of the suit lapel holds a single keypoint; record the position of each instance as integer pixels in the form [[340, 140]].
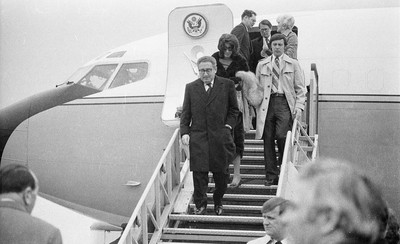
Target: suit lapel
[[201, 91], [215, 90], [287, 64]]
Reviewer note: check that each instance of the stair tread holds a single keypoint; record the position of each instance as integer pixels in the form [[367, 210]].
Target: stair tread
[[217, 218], [253, 157], [251, 186], [208, 238], [250, 166], [191, 242], [214, 232], [247, 176], [244, 196], [233, 207]]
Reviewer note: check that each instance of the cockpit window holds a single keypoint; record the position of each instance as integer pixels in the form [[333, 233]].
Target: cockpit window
[[78, 74], [116, 54], [130, 73], [98, 76]]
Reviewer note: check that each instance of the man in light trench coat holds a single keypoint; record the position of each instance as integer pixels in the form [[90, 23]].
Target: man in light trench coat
[[281, 98]]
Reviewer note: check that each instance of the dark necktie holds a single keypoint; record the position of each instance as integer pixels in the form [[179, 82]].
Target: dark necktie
[[209, 88], [275, 76]]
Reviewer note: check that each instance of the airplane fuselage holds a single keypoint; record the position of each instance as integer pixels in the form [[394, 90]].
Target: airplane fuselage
[[85, 151]]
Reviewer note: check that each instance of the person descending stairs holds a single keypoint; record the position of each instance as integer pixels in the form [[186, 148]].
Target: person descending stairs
[[240, 221]]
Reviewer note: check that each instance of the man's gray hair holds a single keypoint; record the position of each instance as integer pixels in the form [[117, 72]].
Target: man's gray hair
[[338, 187], [206, 59], [274, 202]]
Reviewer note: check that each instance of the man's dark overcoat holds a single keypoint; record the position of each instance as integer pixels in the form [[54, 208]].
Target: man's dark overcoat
[[257, 45], [240, 31], [203, 118], [18, 226]]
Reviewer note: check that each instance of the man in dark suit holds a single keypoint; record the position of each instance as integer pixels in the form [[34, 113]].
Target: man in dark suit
[[241, 31], [272, 212], [208, 115], [261, 45], [18, 190]]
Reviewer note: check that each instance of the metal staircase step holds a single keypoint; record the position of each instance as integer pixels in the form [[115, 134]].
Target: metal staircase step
[[253, 158], [233, 207], [191, 242], [253, 141], [252, 176], [251, 186], [221, 232], [203, 239], [216, 219], [250, 166], [247, 176], [244, 197], [254, 150]]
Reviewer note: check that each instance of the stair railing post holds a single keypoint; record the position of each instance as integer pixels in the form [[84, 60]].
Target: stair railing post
[[157, 192], [145, 231], [311, 120]]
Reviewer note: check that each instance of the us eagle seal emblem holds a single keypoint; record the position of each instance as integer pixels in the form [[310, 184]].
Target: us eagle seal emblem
[[195, 25]]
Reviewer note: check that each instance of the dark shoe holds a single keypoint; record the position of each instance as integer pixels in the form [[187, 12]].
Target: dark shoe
[[200, 211], [271, 182], [218, 209]]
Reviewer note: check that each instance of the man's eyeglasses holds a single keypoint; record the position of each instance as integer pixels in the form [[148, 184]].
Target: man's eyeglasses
[[205, 70]]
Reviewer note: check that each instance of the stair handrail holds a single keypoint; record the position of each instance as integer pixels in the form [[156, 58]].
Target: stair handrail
[[282, 190], [300, 140], [293, 144], [312, 101], [158, 198]]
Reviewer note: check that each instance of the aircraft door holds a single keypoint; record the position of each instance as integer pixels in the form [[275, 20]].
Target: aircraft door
[[192, 33]]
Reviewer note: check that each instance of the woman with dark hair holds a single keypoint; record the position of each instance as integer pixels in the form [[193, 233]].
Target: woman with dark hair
[[229, 62]]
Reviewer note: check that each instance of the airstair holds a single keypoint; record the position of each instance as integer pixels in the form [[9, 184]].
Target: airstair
[[165, 212]]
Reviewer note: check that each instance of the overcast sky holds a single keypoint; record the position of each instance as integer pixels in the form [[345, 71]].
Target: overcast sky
[[42, 42]]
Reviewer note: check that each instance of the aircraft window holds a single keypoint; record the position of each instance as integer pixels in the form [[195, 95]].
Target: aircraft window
[[79, 74], [130, 73], [98, 76], [116, 54]]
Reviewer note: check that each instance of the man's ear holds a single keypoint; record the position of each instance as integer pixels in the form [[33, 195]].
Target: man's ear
[[27, 196], [328, 220]]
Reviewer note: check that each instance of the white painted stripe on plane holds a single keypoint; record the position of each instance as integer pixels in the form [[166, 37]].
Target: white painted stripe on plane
[[117, 100]]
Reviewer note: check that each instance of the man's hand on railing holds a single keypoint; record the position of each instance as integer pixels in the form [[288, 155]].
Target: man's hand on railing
[[185, 139]]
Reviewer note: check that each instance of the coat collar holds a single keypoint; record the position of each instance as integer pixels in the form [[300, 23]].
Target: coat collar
[[217, 86], [6, 202], [286, 67], [285, 58], [244, 26]]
